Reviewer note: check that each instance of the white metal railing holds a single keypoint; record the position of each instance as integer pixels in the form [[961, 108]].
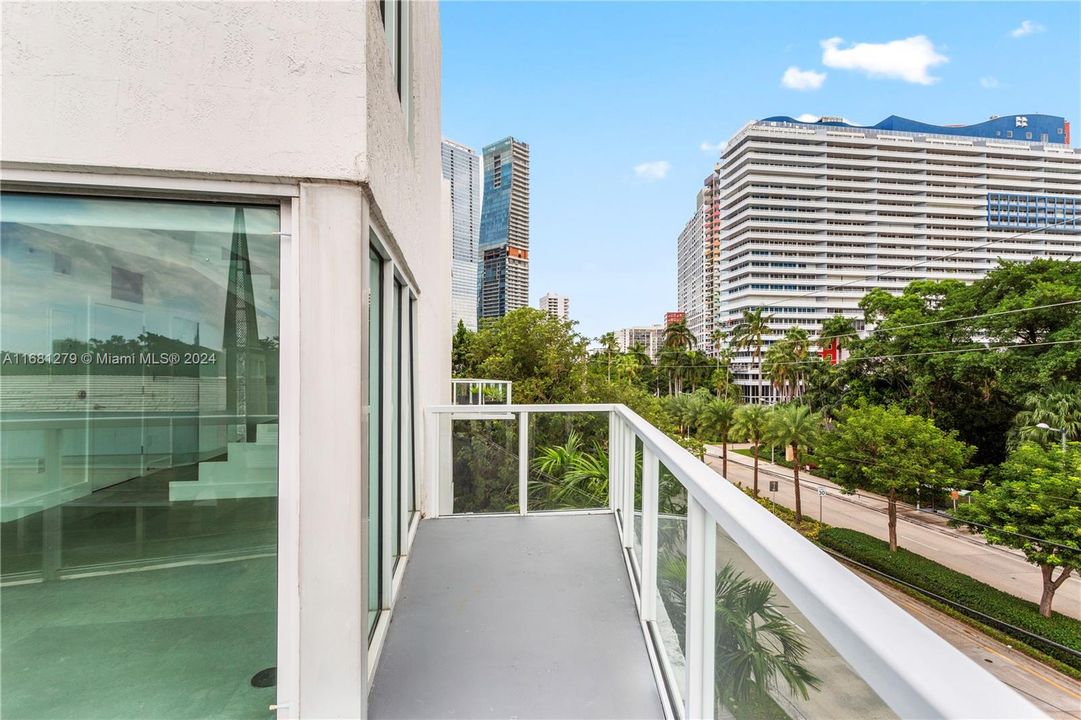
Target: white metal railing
[[471, 391], [902, 663]]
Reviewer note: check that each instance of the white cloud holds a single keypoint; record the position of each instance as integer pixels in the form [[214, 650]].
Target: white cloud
[[707, 147], [989, 82], [907, 59], [1027, 27], [655, 170], [797, 79]]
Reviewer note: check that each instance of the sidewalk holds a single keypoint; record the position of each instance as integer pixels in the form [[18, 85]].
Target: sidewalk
[[934, 518]]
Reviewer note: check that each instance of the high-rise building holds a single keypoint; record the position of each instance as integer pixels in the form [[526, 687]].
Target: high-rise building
[[504, 229], [557, 305], [815, 215], [650, 337], [461, 167], [697, 251]]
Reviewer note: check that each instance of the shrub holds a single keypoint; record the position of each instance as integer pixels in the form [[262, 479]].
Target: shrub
[[1003, 609]]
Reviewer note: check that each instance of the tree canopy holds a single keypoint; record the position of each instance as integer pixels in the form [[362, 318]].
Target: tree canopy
[[1033, 504], [885, 450]]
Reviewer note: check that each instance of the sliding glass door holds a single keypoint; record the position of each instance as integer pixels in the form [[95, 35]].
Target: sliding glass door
[[138, 456]]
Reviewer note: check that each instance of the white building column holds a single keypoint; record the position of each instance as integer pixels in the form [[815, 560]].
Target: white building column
[[332, 253]]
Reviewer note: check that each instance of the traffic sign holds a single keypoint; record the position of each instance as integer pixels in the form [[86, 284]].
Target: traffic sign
[[821, 491]]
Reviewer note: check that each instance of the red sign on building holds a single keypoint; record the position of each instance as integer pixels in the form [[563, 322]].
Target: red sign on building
[[674, 317]]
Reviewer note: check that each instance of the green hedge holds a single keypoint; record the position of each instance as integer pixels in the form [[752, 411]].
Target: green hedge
[[960, 588]]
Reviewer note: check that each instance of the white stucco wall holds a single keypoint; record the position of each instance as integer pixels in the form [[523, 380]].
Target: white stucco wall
[[268, 89], [405, 186]]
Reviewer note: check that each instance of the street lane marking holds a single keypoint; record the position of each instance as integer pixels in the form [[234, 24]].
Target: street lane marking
[[1030, 671]]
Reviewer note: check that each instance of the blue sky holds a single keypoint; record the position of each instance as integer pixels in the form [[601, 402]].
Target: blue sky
[[600, 89]]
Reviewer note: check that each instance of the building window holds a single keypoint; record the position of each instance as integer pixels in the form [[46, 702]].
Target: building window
[[396, 426], [397, 24], [139, 478], [375, 436]]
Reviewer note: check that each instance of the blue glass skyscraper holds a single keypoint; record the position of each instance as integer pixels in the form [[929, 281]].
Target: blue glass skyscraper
[[504, 230]]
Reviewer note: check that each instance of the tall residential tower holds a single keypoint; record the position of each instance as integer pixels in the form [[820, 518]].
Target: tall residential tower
[[815, 215], [504, 230], [461, 167], [556, 305]]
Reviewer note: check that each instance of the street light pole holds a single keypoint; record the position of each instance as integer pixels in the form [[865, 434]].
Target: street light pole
[[1060, 431]]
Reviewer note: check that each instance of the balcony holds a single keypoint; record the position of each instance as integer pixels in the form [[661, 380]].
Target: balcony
[[577, 562]]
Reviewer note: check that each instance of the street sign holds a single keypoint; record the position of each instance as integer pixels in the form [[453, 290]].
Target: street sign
[[821, 491], [773, 485]]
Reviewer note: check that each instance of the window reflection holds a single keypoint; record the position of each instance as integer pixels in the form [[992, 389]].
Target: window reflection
[[139, 398]]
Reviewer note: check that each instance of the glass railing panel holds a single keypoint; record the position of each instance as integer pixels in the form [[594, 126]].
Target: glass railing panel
[[484, 455], [672, 572], [568, 461], [770, 661]]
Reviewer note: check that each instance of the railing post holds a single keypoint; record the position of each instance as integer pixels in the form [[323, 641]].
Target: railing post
[[523, 463], [444, 464], [509, 387], [614, 471], [650, 466], [701, 606], [627, 487]]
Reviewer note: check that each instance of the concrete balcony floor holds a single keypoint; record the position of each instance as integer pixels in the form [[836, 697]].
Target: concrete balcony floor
[[515, 617]]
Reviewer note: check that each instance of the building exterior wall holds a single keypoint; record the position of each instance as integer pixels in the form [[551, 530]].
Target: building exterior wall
[[556, 305], [650, 337], [813, 216], [461, 167], [691, 274], [294, 107], [504, 229], [168, 87]]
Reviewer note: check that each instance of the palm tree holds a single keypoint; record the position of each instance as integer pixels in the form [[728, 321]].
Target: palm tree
[[571, 477], [756, 644], [1058, 406], [678, 335], [797, 427], [750, 424], [717, 337], [611, 346], [750, 332], [717, 419], [673, 361], [839, 328]]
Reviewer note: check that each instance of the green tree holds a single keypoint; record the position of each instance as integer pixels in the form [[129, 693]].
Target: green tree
[[460, 363], [1058, 406], [610, 348], [678, 335], [756, 645], [718, 416], [568, 477], [887, 451], [749, 334], [540, 353], [796, 427], [750, 424], [1034, 505]]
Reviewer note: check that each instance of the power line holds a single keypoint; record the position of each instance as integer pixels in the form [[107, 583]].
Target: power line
[[978, 348], [950, 320]]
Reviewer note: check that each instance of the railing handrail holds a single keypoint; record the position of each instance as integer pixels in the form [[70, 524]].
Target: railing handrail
[[913, 670]]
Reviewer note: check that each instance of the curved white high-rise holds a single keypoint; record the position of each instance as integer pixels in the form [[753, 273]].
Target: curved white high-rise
[[815, 215]]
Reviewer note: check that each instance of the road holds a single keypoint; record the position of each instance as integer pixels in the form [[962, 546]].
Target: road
[[924, 535], [1052, 692]]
